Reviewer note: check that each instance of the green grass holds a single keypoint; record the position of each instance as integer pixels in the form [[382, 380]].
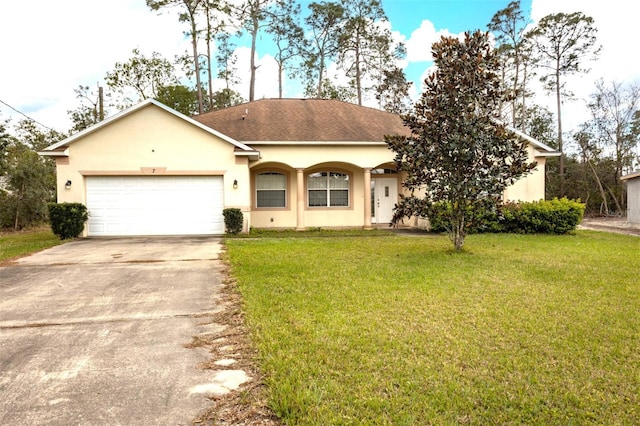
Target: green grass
[[399, 330], [314, 232], [16, 244]]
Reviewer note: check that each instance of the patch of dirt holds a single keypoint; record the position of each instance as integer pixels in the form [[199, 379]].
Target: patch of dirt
[[248, 404]]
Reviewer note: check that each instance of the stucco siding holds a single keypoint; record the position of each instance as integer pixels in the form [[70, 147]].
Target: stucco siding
[[152, 141], [309, 156], [529, 188], [633, 200]]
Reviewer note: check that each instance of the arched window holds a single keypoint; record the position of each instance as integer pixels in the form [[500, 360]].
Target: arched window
[[328, 189], [271, 190]]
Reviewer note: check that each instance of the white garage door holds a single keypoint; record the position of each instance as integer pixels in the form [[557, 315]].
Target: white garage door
[[155, 205]]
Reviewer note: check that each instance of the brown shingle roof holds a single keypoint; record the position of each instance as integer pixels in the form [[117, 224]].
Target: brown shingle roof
[[303, 120]]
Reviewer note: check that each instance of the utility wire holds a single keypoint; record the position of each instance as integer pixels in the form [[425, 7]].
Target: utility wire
[[29, 118]]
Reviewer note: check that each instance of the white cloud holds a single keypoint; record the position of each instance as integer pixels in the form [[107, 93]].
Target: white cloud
[[49, 48], [421, 39], [58, 46], [266, 75]]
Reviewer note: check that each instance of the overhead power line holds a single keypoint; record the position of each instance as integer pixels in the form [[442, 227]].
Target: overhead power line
[[22, 113]]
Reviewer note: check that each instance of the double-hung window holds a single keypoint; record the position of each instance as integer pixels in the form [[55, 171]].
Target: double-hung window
[[328, 189], [271, 190]]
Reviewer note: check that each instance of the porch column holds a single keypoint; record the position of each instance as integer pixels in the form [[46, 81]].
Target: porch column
[[367, 198], [300, 200]]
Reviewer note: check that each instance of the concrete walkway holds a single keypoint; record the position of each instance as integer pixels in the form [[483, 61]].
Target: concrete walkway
[[93, 332], [614, 224]]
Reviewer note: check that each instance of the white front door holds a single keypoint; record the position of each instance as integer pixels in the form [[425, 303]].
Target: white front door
[[384, 198]]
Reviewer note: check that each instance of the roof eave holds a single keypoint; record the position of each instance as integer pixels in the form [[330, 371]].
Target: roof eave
[[58, 153], [351, 143], [253, 155], [536, 143], [631, 176], [548, 154]]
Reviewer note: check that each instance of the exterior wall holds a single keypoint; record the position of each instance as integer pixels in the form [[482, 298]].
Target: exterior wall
[[633, 200], [354, 159], [152, 141], [352, 216], [303, 157], [314, 158], [275, 217], [531, 187]]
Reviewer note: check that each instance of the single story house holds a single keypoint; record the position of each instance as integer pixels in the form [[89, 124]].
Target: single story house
[[633, 197], [286, 163]]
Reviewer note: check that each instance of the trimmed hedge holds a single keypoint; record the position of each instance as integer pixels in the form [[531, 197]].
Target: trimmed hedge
[[233, 220], [67, 219], [557, 216]]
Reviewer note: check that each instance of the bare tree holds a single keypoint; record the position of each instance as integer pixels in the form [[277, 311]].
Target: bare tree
[[613, 109]]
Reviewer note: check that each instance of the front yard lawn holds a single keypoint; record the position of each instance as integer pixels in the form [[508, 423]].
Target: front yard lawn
[[16, 244], [518, 329]]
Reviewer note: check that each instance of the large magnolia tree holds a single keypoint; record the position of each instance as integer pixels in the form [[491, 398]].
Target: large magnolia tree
[[457, 152]]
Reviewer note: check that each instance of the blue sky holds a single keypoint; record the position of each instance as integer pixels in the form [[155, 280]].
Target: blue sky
[[73, 42], [456, 16]]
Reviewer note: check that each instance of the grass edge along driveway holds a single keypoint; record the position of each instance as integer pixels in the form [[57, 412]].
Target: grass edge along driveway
[[16, 244], [531, 329]]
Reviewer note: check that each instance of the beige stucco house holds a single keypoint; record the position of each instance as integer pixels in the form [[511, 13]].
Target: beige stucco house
[[286, 163]]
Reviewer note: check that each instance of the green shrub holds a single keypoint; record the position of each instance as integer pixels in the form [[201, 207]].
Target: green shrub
[[67, 219], [482, 219], [557, 216], [233, 220]]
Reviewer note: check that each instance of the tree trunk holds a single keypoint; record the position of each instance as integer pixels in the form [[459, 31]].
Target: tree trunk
[[559, 105], [254, 35], [615, 200], [209, 68], [280, 71], [17, 221], [457, 232], [523, 120], [358, 77], [196, 63], [320, 72], [358, 71], [601, 189]]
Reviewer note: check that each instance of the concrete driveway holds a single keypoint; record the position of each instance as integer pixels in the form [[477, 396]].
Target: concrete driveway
[[92, 332]]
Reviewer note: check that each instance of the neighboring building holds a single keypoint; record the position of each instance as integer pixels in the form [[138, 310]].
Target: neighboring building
[[633, 197], [286, 163]]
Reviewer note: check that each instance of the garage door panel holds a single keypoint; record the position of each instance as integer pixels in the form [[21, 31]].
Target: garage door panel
[[155, 205]]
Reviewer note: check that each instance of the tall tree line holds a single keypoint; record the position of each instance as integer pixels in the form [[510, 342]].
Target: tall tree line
[[354, 34], [605, 146]]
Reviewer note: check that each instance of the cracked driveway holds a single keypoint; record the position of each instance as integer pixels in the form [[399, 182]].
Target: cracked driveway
[[92, 331]]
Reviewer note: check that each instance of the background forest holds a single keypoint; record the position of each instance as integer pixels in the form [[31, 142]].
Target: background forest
[[345, 50]]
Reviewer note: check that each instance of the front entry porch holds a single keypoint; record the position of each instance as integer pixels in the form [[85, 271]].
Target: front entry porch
[[328, 195]]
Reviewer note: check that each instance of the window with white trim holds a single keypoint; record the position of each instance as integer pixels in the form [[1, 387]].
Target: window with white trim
[[328, 189], [271, 190]]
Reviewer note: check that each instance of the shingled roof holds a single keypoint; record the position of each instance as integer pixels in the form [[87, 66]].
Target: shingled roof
[[303, 120]]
